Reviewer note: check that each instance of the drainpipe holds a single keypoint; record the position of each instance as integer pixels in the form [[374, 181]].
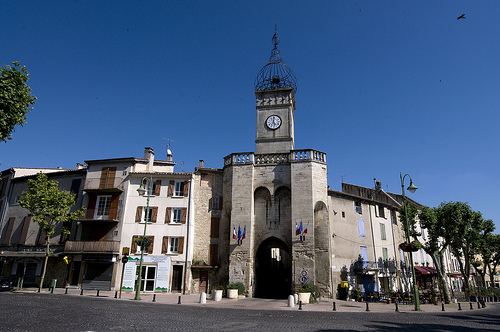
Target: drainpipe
[[188, 217]]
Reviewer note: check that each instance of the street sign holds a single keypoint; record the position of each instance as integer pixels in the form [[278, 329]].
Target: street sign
[[124, 259], [303, 279]]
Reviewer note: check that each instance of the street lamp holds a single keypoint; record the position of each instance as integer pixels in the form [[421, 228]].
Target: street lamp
[[411, 188], [147, 192]]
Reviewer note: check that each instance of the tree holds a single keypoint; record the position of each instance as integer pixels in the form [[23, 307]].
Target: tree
[[489, 247], [15, 98], [48, 207], [434, 246], [462, 229]]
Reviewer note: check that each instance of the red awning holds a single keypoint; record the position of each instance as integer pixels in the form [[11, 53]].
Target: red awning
[[425, 270], [457, 275]]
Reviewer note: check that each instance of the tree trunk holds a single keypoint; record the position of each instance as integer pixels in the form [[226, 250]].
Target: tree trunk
[[47, 251], [442, 280]]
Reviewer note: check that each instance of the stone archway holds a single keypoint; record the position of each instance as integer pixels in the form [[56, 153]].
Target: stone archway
[[273, 270]]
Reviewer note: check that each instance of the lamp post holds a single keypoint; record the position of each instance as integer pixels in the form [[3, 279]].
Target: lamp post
[[147, 192], [411, 188]]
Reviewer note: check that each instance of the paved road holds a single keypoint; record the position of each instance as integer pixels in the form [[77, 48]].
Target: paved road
[[58, 312]]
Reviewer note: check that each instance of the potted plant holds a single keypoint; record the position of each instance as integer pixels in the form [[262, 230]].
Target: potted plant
[[389, 295], [308, 293], [217, 292], [357, 295], [234, 289]]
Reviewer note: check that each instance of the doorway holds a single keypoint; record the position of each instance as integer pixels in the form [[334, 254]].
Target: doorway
[[177, 278], [148, 278], [273, 270]]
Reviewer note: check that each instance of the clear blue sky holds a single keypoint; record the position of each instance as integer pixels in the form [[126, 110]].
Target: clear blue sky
[[383, 86]]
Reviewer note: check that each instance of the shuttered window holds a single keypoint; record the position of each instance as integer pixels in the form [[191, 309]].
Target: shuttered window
[[8, 231], [107, 177]]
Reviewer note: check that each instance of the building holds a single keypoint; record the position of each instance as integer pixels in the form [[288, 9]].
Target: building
[[22, 244]]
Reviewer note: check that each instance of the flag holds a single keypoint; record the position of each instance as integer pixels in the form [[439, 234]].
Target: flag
[[234, 233], [296, 229], [300, 228], [305, 230], [239, 234], [244, 232]]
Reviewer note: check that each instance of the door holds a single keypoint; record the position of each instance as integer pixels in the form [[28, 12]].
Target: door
[[148, 278], [177, 278], [203, 281]]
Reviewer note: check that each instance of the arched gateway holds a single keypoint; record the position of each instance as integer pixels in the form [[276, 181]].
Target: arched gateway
[[273, 270]]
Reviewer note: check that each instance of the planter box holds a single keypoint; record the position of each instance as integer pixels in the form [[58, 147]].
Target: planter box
[[232, 293], [217, 295], [304, 297]]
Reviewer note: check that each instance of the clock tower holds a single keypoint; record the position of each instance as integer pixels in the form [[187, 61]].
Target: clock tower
[[275, 88]]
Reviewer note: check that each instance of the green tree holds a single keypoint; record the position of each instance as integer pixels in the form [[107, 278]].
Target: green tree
[[15, 98], [48, 207], [462, 229], [488, 248]]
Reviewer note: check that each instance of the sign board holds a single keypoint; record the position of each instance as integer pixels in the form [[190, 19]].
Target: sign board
[[303, 279]]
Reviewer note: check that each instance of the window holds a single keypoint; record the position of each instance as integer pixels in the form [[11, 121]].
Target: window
[[173, 246], [154, 188], [402, 256], [215, 203], [385, 256], [361, 226], [357, 207], [107, 177], [102, 207], [383, 235], [136, 249], [381, 211], [364, 256], [343, 214], [424, 236], [140, 214], [176, 216], [179, 189], [393, 218]]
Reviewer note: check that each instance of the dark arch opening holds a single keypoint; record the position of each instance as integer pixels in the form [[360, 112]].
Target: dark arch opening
[[273, 270]]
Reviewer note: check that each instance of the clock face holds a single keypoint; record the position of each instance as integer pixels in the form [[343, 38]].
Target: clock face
[[273, 122]]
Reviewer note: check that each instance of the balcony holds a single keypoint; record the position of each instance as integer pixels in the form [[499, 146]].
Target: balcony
[[96, 185], [295, 156], [110, 247]]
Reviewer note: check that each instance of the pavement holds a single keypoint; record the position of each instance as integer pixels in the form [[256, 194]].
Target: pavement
[[264, 304]]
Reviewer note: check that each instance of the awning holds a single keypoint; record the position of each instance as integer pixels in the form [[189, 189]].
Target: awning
[[457, 275], [425, 270], [25, 254]]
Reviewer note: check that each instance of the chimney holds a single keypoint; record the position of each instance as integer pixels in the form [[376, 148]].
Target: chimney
[[201, 163], [150, 155], [79, 166], [169, 155], [378, 184]]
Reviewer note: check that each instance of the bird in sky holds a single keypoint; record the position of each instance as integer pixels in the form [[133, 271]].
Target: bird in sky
[[461, 16]]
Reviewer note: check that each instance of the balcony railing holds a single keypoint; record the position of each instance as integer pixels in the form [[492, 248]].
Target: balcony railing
[[95, 184], [295, 156], [92, 246]]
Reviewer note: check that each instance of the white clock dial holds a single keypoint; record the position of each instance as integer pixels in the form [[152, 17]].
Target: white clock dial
[[273, 122]]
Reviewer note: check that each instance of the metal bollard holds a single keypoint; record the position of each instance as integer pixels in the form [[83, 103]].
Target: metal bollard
[[367, 308], [81, 293], [442, 306], [397, 308], [334, 306], [116, 294], [154, 297], [478, 305], [38, 289], [300, 305], [459, 306], [52, 290], [179, 302], [66, 291], [97, 293], [471, 308], [483, 304]]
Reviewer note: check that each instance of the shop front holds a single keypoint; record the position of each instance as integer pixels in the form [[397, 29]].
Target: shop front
[[155, 274]]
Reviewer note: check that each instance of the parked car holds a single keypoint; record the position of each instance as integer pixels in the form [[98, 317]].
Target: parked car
[[5, 285]]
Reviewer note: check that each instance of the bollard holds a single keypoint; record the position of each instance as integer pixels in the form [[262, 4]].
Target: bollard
[[52, 290], [334, 306], [116, 294], [179, 302], [397, 308], [471, 308], [81, 293], [291, 301], [154, 297], [66, 291], [38, 289], [478, 306], [203, 298], [442, 306], [483, 304], [459, 306], [300, 305], [97, 293], [367, 308]]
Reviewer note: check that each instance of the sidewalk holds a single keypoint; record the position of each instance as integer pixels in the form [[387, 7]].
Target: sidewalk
[[263, 304]]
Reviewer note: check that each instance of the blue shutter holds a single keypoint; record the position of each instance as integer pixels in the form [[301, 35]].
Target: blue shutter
[[361, 224]]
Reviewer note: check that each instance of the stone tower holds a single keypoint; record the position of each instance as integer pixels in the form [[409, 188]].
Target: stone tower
[[270, 193]]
